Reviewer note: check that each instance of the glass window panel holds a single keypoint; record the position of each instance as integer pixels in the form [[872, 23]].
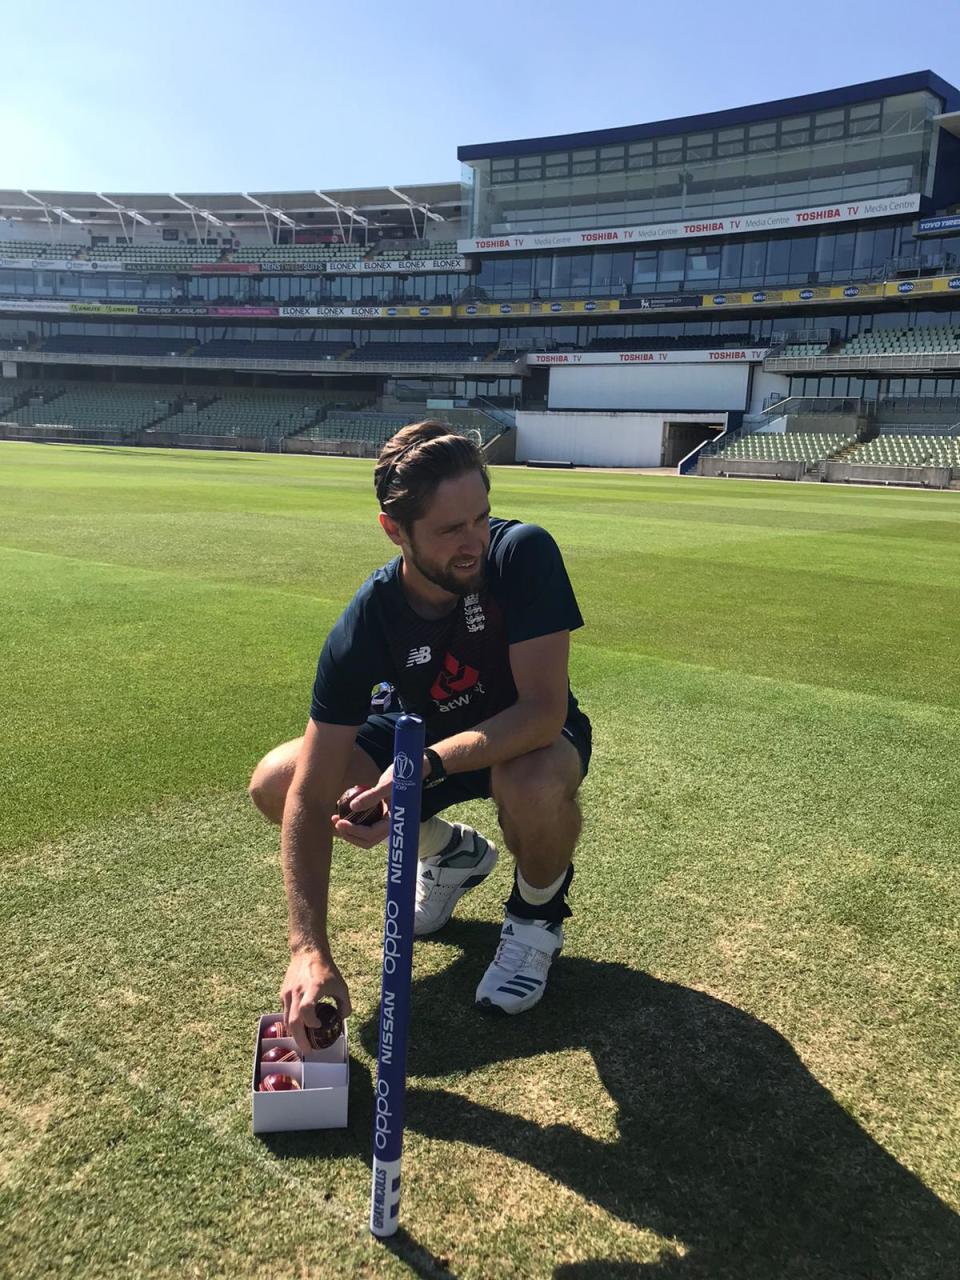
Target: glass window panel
[[730, 142], [583, 167], [621, 266], [795, 137], [645, 267], [864, 250], [778, 260], [562, 266], [601, 268], [843, 251], [731, 257], [762, 137], [828, 132], [672, 264], [700, 146], [871, 125], [703, 263], [803, 252], [754, 261], [669, 151], [580, 271]]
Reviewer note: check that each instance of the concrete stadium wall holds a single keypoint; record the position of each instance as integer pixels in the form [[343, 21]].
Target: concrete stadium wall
[[750, 468], [847, 424], [663, 388], [766, 384], [775, 427], [503, 449], [852, 473], [591, 439]]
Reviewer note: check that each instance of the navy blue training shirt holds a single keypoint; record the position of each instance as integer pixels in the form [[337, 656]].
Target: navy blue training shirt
[[455, 670]]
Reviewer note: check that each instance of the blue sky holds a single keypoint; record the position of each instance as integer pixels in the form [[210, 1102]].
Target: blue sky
[[281, 96]]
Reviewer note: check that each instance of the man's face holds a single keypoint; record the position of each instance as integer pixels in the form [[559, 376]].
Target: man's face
[[448, 544]]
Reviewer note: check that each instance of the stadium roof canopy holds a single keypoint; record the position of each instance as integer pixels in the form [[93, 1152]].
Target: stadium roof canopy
[[867, 91], [403, 207]]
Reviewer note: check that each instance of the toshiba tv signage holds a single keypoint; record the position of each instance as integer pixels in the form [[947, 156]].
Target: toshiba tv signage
[[740, 225]]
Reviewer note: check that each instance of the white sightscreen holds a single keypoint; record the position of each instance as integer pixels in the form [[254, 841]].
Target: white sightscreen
[[668, 387]]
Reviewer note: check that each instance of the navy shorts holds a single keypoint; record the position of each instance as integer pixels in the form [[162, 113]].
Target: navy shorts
[[376, 739]]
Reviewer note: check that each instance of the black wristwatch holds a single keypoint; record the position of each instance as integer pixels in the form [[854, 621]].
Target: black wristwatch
[[437, 771]]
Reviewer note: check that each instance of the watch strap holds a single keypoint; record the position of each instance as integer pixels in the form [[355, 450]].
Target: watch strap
[[437, 772]]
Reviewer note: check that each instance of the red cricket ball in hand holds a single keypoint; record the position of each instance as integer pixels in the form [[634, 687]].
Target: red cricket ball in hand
[[363, 817], [329, 1028], [277, 1083], [275, 1031], [280, 1053]]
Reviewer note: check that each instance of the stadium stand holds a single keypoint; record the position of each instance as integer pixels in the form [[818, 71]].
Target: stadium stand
[[367, 428], [95, 344], [376, 428], [788, 446], [171, 257], [252, 349], [404, 352], [678, 343], [922, 339], [262, 414], [896, 449], [800, 349], [593, 265], [129, 409]]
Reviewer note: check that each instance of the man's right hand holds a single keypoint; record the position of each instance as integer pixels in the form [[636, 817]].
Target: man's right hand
[[310, 976]]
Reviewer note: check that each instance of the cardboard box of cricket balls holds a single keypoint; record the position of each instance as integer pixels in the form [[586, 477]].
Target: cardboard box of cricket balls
[[291, 1091]]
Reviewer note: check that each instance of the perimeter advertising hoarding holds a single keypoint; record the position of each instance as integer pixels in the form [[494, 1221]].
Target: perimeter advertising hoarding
[[60, 264], [722, 355], [838, 293], [397, 266], [363, 313]]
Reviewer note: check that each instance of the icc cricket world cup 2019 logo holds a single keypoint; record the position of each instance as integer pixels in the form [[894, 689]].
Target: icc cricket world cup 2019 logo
[[404, 770]]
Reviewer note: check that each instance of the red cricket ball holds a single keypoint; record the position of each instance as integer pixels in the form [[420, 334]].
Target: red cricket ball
[[330, 1024], [363, 817], [280, 1053], [275, 1031], [277, 1083]]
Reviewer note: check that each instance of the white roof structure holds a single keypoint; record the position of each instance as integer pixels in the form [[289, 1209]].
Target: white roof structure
[[402, 207]]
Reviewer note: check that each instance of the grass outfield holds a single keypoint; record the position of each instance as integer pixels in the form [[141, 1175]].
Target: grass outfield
[[747, 1065]]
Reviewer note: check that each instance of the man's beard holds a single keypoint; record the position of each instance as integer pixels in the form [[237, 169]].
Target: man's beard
[[446, 579]]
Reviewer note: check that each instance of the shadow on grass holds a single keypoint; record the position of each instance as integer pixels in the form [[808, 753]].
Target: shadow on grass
[[727, 1143], [355, 1142]]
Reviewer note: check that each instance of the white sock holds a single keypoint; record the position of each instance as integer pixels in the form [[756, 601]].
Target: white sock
[[435, 835], [537, 897]]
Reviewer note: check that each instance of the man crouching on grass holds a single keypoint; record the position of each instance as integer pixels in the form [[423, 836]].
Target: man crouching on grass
[[469, 627]]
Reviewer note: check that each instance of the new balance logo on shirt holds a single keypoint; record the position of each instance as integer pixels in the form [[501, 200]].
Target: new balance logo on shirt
[[417, 657]]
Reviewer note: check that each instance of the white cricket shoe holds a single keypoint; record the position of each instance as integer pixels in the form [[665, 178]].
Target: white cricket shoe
[[517, 978], [443, 879]]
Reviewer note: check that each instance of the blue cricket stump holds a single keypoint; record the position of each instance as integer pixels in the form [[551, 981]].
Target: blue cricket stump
[[390, 1093]]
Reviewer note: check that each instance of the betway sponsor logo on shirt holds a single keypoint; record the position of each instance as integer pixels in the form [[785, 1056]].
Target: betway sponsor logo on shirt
[[741, 224], [724, 354]]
